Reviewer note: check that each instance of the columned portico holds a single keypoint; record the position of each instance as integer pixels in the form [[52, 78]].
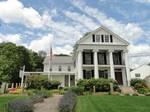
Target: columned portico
[[95, 64], [80, 70], [112, 73]]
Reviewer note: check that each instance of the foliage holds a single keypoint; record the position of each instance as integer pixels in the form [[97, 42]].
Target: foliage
[[20, 105], [39, 82], [13, 57], [140, 85], [68, 102], [101, 85], [77, 90]]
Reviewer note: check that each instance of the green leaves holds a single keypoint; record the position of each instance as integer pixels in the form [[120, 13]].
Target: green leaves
[[13, 58]]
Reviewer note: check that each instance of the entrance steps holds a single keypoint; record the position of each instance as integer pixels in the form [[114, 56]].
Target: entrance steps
[[127, 90]]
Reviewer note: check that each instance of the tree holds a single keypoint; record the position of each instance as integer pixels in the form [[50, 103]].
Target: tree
[[13, 57]]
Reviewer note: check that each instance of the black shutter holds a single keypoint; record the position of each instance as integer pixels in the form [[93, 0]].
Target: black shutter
[[105, 58], [120, 59], [84, 74], [111, 38], [92, 73], [83, 55], [93, 37], [91, 57], [102, 38]]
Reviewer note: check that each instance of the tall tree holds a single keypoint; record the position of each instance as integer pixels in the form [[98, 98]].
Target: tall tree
[[13, 57]]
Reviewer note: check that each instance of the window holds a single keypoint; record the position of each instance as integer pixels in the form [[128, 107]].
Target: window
[[102, 58], [97, 38], [106, 38], [59, 68], [93, 37], [50, 69], [88, 74], [102, 38], [103, 74], [88, 57], [117, 58], [137, 75], [69, 68], [111, 38]]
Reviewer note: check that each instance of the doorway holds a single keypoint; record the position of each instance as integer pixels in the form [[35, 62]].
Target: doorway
[[118, 76]]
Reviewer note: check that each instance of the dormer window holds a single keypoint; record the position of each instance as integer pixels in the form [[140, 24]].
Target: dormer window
[[59, 68], [106, 38], [69, 68], [97, 38]]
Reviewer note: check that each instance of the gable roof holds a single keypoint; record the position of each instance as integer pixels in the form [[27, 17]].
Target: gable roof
[[105, 29], [59, 60]]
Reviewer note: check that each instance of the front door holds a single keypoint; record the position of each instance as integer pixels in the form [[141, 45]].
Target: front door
[[118, 77]]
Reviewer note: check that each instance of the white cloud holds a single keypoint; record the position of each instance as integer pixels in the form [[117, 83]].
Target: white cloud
[[82, 19], [13, 11], [143, 1], [67, 49], [129, 31], [139, 54], [42, 43], [15, 38]]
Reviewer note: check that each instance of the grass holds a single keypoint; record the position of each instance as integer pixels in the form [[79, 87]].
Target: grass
[[113, 104], [4, 99]]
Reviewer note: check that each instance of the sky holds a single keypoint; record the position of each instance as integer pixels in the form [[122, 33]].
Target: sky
[[36, 24]]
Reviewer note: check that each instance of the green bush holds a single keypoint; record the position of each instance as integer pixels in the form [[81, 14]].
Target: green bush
[[77, 90], [39, 82], [140, 85], [101, 85]]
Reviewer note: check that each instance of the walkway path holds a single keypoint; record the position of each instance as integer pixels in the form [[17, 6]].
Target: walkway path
[[49, 104]]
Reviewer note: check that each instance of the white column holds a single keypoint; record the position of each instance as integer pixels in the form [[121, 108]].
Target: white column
[[127, 67], [124, 76], [112, 73], [80, 71], [95, 65], [69, 80]]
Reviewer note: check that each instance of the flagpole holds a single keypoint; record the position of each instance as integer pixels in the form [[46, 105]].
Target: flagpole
[[49, 61]]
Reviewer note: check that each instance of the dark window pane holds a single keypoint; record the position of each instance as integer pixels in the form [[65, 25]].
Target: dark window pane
[[102, 58], [88, 74], [87, 57], [103, 74], [117, 58]]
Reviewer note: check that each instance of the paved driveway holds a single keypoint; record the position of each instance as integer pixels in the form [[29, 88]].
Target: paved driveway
[[49, 104]]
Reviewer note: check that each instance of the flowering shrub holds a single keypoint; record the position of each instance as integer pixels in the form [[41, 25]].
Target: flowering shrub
[[68, 102], [20, 105]]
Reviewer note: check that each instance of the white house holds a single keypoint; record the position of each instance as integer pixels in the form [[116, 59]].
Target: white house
[[141, 72], [98, 54]]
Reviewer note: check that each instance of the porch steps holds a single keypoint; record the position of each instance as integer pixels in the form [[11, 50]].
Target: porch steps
[[128, 90]]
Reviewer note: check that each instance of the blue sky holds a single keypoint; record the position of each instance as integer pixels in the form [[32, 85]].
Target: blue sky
[[34, 23]]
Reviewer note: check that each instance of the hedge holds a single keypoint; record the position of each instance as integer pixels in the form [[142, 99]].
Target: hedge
[[39, 82], [101, 85]]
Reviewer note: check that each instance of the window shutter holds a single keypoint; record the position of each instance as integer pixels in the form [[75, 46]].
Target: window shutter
[[102, 38], [83, 55], [93, 37], [111, 38]]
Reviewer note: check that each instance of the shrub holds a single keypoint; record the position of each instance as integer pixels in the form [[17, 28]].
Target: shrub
[[20, 105], [68, 102], [77, 90], [140, 85], [101, 85], [43, 93], [37, 99], [39, 82]]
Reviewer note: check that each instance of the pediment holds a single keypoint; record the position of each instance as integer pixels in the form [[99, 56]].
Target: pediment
[[116, 39]]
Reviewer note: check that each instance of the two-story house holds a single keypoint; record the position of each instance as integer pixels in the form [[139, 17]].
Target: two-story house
[[98, 54]]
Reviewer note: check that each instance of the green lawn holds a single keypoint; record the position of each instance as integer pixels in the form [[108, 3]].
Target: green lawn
[[4, 99], [113, 104]]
